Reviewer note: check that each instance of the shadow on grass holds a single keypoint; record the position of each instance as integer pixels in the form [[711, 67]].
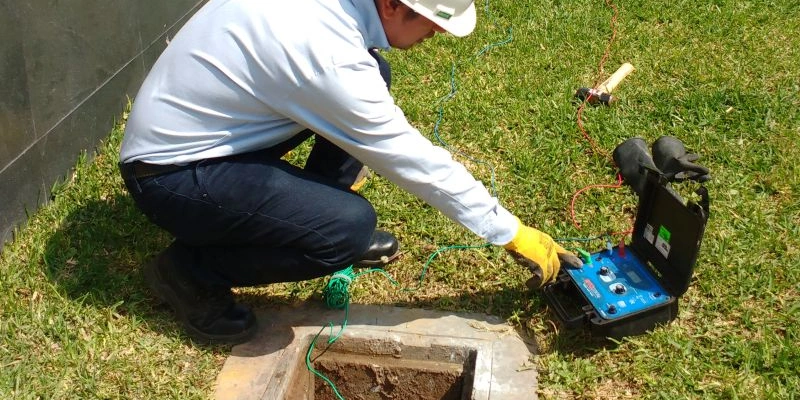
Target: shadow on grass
[[94, 257]]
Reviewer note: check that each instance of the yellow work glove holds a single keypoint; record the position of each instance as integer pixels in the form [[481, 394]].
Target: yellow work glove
[[538, 252]]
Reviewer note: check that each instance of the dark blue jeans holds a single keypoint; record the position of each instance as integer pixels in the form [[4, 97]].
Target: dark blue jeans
[[253, 219]]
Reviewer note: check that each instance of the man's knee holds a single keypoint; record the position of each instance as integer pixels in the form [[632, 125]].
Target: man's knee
[[360, 220], [354, 227]]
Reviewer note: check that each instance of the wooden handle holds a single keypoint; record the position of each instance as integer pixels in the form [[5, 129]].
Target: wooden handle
[[609, 84]]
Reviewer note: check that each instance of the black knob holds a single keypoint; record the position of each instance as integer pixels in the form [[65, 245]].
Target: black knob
[[603, 270], [619, 288], [612, 309]]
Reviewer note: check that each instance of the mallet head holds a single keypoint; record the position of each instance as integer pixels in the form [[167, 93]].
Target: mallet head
[[594, 96], [602, 93]]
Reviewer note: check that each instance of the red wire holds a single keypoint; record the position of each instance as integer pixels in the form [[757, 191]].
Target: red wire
[[595, 148], [610, 41]]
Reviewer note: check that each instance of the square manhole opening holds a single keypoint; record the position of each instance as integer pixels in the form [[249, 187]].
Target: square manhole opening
[[379, 369]]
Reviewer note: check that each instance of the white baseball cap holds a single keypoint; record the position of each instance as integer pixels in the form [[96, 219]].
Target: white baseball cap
[[455, 16]]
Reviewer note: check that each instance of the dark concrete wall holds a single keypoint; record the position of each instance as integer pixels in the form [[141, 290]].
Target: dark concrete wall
[[67, 69]]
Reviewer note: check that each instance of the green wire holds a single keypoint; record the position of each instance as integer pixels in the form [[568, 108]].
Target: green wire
[[337, 292], [452, 93], [317, 373], [337, 295]]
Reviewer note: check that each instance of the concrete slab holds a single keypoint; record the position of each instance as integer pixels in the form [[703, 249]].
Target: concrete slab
[[265, 367]]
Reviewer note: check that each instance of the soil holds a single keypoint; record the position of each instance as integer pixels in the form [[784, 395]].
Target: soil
[[359, 377]]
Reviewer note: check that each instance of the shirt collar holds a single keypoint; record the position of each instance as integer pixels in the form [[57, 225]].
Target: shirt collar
[[372, 29]]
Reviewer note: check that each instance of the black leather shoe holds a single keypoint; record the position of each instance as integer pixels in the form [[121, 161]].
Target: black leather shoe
[[208, 313], [383, 248]]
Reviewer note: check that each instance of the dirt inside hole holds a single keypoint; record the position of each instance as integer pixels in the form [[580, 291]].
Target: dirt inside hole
[[361, 377]]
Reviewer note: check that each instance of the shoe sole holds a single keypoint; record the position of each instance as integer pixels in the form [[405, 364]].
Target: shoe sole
[[163, 292], [377, 263]]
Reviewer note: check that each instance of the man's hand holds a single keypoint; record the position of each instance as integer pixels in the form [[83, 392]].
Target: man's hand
[[538, 252]]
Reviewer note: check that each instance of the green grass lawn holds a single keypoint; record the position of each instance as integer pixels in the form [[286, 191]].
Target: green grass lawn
[[76, 320]]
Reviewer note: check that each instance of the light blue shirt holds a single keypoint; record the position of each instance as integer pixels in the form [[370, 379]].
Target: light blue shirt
[[244, 75]]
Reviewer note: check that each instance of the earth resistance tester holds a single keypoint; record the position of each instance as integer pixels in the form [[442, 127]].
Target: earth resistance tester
[[630, 289]]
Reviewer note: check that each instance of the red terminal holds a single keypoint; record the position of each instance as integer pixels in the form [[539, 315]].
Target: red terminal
[[621, 248]]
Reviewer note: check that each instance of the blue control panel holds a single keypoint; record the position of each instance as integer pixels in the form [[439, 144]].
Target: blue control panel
[[618, 284]]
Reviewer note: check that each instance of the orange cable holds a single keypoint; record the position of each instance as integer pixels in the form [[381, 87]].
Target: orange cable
[[595, 148]]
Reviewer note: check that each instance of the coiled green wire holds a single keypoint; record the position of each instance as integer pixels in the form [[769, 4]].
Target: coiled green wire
[[336, 295]]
